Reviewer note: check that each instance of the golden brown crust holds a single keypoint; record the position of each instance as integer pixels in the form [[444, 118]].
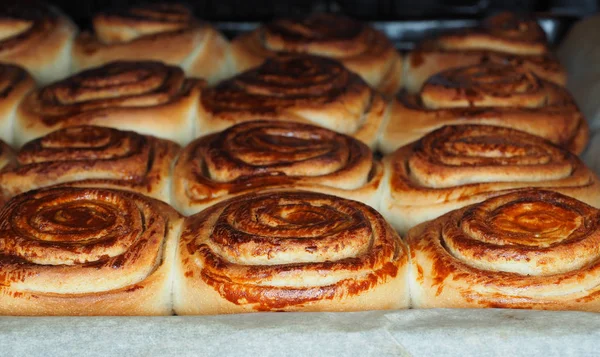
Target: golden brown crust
[[93, 157], [15, 83], [528, 249], [289, 251], [456, 166], [159, 32], [299, 88], [38, 37], [7, 155], [146, 97], [491, 94], [269, 154], [358, 46], [7, 159], [505, 38], [83, 251]]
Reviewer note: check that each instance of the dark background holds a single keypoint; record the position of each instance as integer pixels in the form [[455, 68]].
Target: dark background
[[383, 10]]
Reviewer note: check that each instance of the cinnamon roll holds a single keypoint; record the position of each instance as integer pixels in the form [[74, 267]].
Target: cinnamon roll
[[300, 88], [455, 166], [162, 32], [93, 157], [7, 159], [529, 249], [262, 154], [147, 97], [83, 251], [358, 46], [289, 251], [505, 38], [501, 95], [7, 155], [38, 37], [15, 83]]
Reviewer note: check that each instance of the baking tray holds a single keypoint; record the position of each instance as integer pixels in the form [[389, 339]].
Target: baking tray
[[427, 332]]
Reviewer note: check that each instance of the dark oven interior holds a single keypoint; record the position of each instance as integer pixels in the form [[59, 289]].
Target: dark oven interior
[[404, 21]]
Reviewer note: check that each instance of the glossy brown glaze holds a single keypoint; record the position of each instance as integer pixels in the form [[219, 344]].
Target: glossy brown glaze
[[148, 97], [283, 250], [31, 28], [11, 77], [56, 241], [93, 156], [164, 32], [501, 39], [528, 249], [463, 164], [505, 32], [269, 154], [515, 26], [282, 82], [359, 47], [119, 84], [483, 86], [493, 94], [25, 26], [149, 19], [298, 88], [320, 34]]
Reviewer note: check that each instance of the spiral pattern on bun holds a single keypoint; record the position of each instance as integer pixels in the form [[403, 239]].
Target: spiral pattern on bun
[[493, 94], [528, 249], [455, 166], [267, 154], [299, 88], [505, 38], [161, 32], [358, 46], [146, 97], [289, 251], [83, 251], [30, 28], [93, 156]]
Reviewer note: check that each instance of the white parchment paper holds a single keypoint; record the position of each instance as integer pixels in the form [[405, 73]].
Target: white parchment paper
[[433, 332]]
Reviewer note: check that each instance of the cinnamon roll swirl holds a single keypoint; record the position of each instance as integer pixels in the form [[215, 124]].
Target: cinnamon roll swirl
[[358, 46], [300, 88], [455, 166], [268, 154], [493, 94], [529, 249], [38, 37], [147, 97], [93, 157], [162, 32], [15, 83], [505, 38], [289, 251], [83, 251]]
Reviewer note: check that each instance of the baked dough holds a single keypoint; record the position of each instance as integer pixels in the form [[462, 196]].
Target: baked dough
[[289, 251]]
